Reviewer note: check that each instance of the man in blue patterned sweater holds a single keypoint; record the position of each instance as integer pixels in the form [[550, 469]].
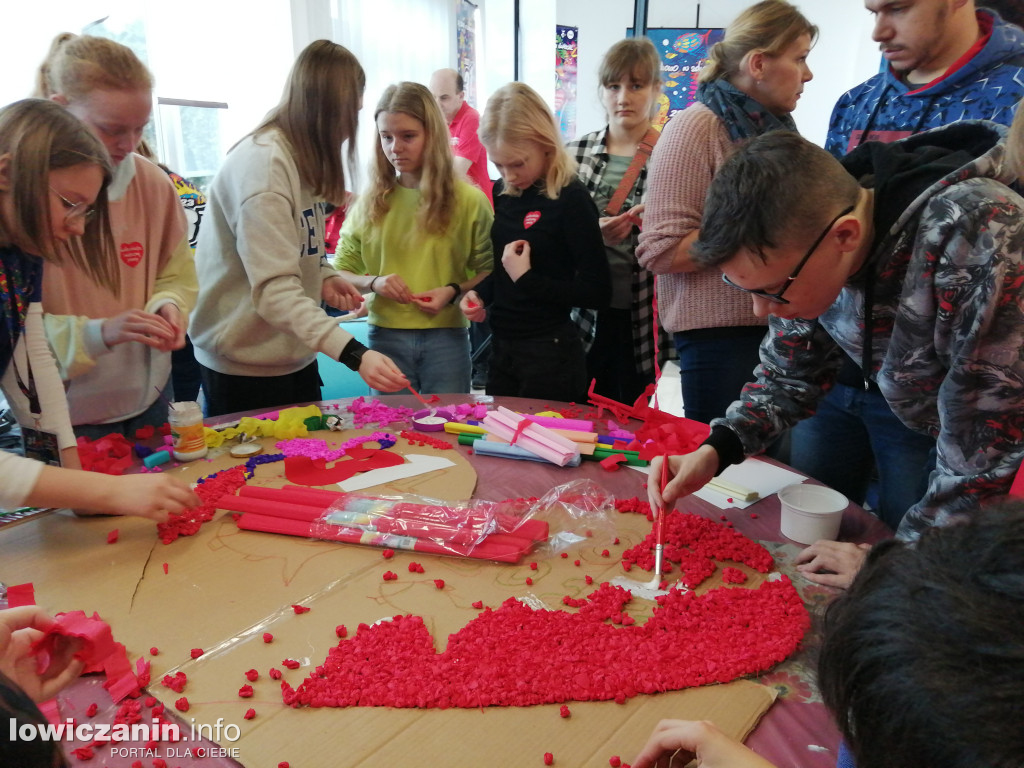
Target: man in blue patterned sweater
[[946, 61]]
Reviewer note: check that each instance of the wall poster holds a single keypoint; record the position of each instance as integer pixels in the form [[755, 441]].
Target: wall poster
[[683, 53], [566, 56], [466, 48]]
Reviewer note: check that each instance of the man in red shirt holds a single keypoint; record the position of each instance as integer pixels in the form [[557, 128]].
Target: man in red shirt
[[463, 122]]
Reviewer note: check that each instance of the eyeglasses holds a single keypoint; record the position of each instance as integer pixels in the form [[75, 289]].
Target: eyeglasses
[[73, 211], [776, 298]]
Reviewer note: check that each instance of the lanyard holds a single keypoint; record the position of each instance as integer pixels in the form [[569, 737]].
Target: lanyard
[[29, 389], [17, 310]]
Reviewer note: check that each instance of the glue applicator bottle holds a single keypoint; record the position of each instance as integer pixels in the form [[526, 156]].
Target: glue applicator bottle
[[185, 419]]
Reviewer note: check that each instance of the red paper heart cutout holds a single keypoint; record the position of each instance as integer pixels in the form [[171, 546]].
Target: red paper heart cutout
[[595, 654], [501, 657], [132, 253], [530, 219]]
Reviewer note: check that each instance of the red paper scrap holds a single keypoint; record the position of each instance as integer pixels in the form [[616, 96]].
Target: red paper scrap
[[611, 463], [21, 594]]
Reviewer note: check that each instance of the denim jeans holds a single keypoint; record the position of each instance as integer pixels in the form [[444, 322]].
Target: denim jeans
[[435, 360], [155, 415], [855, 431], [714, 365]]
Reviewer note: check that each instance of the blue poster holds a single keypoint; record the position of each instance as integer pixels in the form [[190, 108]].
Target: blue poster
[[683, 53]]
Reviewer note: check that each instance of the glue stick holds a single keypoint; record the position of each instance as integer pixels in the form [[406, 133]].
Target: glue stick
[[186, 421]]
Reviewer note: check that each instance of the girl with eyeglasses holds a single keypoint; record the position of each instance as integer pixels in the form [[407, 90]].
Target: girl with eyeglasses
[[54, 177]]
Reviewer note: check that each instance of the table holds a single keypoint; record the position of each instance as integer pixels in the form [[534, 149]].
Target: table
[[264, 572]]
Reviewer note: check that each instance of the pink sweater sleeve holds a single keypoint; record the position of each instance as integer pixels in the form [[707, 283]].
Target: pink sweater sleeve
[[692, 147]]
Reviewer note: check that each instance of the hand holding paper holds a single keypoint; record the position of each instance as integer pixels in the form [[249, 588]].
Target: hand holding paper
[[20, 628]]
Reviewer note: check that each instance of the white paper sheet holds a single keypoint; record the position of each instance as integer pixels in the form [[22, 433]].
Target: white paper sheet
[[754, 474], [416, 465]]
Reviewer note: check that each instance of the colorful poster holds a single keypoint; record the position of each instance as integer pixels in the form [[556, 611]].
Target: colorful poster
[[683, 53], [566, 56], [466, 49]]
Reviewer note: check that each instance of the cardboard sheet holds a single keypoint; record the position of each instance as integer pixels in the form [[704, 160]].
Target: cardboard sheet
[[224, 588]]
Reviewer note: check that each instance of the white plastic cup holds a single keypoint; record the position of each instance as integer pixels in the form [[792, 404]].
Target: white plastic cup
[[811, 512]]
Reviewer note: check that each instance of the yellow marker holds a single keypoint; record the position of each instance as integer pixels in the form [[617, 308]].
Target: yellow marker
[[456, 428]]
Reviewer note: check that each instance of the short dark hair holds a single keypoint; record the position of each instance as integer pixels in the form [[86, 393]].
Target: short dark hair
[[777, 189], [922, 662]]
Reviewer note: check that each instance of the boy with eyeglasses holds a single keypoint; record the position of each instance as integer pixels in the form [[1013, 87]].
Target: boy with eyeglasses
[[905, 256]]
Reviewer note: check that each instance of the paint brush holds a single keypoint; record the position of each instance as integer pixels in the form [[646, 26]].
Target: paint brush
[[163, 397], [649, 590], [418, 396], [659, 529]]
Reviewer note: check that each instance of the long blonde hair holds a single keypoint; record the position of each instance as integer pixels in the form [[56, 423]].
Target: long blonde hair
[[39, 136], [318, 113], [770, 27], [516, 114], [437, 180], [77, 65]]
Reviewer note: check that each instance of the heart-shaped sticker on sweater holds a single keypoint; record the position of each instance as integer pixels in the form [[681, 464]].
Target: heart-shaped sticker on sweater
[[131, 253], [531, 218]]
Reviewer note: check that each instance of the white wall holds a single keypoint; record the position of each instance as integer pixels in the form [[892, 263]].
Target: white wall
[[843, 57], [230, 54]]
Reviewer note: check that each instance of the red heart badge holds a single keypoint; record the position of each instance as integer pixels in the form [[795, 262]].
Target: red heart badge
[[531, 218], [131, 253]]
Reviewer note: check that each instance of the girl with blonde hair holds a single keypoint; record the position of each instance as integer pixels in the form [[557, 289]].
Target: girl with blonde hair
[[258, 323], [552, 257], [54, 176], [750, 85], [417, 239], [114, 341]]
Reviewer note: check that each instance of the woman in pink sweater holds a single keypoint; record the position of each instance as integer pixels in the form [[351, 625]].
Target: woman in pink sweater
[[114, 348], [750, 85]]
